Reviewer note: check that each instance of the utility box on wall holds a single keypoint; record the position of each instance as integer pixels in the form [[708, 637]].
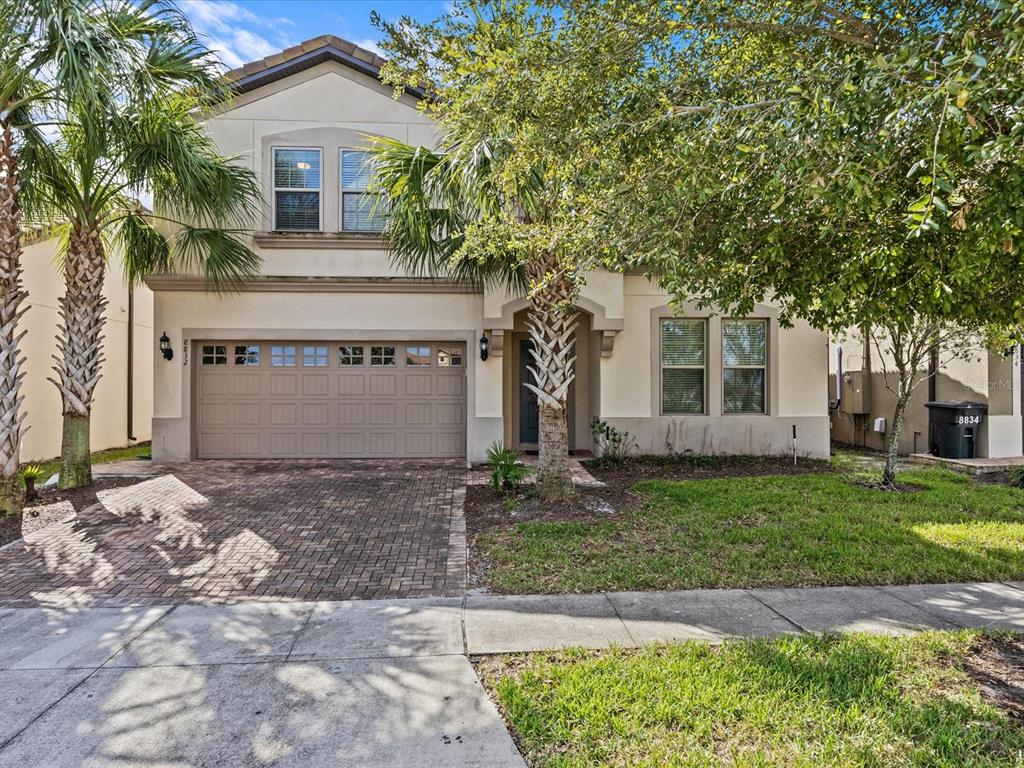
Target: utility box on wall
[[856, 394]]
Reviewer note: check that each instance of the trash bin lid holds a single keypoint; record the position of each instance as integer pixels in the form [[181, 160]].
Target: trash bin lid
[[949, 405]]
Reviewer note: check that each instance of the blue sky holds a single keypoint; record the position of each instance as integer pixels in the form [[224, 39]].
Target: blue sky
[[246, 30]]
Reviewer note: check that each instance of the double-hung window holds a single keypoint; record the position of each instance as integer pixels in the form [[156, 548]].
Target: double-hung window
[[297, 189], [682, 365], [361, 211], [744, 362]]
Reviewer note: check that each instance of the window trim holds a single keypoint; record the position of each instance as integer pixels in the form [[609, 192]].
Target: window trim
[[274, 189], [765, 399], [661, 366], [342, 189]]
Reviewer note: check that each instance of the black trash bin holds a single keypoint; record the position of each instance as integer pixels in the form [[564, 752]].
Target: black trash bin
[[953, 428]]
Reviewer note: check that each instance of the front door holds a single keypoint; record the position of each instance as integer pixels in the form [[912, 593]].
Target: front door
[[529, 419]]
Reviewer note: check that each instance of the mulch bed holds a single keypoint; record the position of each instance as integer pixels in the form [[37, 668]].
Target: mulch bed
[[485, 509], [80, 498], [997, 667]]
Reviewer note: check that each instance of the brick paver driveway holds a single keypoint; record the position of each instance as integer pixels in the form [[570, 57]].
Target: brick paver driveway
[[223, 530]]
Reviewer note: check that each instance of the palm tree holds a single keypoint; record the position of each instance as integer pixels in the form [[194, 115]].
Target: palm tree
[[452, 213], [16, 90], [134, 132]]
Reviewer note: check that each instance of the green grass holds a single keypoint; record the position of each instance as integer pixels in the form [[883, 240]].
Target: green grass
[[778, 530], [799, 702], [127, 453]]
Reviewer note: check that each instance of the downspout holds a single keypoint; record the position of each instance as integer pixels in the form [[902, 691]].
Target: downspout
[[130, 415]]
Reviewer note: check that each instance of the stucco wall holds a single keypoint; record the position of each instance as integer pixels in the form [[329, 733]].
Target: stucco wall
[[983, 376], [797, 368], [42, 400]]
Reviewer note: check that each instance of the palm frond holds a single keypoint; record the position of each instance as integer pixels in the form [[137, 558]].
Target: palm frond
[[219, 255], [433, 197]]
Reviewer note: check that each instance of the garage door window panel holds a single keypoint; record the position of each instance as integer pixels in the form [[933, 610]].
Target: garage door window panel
[[382, 357], [350, 356], [282, 357], [247, 355], [314, 357], [214, 355], [417, 357], [449, 357]]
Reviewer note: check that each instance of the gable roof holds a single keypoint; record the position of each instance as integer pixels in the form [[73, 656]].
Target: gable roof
[[303, 56]]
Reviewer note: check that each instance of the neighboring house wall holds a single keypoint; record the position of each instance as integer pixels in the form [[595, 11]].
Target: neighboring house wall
[[982, 376], [42, 279], [338, 287]]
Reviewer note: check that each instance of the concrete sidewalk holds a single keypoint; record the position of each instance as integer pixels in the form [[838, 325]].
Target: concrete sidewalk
[[369, 682]]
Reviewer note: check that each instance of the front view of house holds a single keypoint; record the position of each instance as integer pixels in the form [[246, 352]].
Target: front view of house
[[331, 352]]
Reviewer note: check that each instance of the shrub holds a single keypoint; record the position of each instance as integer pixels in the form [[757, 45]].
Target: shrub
[[507, 469], [32, 474], [1017, 477], [613, 445]]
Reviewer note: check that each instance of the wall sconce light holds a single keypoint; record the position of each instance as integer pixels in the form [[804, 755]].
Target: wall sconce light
[[165, 347], [484, 346]]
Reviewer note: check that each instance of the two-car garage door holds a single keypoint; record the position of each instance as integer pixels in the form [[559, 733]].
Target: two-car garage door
[[316, 399]]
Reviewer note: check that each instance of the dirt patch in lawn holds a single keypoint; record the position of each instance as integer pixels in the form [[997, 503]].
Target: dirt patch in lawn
[[697, 467], [80, 499], [997, 667]]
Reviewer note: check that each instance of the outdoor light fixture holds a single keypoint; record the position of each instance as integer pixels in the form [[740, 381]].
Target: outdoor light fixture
[[165, 346], [484, 344]]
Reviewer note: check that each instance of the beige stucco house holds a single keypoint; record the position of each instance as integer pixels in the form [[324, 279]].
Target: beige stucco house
[[333, 352], [863, 416], [123, 406]]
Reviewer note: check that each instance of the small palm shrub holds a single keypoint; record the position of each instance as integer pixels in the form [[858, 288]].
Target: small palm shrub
[[1017, 477], [507, 469], [32, 474]]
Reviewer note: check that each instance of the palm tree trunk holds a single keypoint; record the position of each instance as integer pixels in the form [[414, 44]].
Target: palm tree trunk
[[552, 329], [12, 295], [80, 342]]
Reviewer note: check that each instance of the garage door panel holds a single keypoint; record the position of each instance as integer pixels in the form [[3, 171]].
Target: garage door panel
[[418, 414], [247, 414], [315, 384], [315, 414], [351, 414], [247, 385], [450, 414], [408, 400], [283, 384], [214, 384], [351, 385]]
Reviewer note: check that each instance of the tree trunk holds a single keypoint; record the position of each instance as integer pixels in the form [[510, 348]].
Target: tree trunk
[[12, 296], [892, 453], [80, 341], [552, 329]]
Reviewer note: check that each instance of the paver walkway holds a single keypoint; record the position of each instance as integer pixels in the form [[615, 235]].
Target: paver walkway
[[225, 530], [366, 683]]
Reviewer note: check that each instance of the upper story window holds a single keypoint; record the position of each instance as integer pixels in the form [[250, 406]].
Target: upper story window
[[361, 211], [744, 359], [297, 180], [682, 365]]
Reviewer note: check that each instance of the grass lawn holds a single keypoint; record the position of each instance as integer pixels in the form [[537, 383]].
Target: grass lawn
[[799, 701], [774, 530], [102, 457]]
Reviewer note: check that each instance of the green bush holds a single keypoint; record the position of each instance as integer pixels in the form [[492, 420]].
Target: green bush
[[507, 469], [613, 445], [1017, 477]]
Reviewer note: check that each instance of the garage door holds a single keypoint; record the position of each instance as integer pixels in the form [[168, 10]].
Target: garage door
[[345, 399]]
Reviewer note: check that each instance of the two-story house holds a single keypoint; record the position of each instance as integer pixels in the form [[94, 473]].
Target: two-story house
[[333, 352]]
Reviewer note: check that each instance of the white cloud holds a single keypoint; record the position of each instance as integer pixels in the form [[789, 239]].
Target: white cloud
[[226, 28]]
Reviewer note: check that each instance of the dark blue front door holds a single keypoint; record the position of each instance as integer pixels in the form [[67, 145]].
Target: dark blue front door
[[528, 416]]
